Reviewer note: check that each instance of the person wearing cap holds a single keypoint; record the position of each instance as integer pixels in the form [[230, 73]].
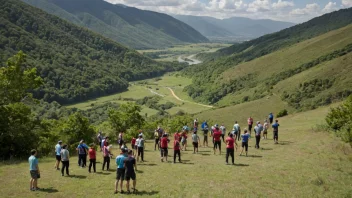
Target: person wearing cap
[[65, 159], [217, 138], [130, 167], [57, 154], [164, 147], [258, 130], [120, 172], [82, 149], [140, 148]]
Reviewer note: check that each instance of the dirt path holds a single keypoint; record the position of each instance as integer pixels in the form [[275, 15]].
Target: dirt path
[[156, 93], [175, 96]]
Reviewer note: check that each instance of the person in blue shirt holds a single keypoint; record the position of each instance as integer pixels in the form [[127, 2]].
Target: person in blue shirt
[[271, 118], [245, 138], [58, 155], [204, 125], [120, 174], [82, 149], [34, 171], [276, 131]]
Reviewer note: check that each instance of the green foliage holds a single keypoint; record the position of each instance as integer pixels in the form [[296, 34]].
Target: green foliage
[[282, 113], [340, 120], [153, 103], [132, 27], [76, 64], [176, 123]]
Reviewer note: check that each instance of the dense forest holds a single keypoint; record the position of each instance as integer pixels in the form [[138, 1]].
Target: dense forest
[[75, 63], [139, 29], [205, 76]]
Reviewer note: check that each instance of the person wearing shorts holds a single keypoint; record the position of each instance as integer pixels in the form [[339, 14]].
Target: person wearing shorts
[[195, 142], [58, 155], [164, 147], [276, 131], [34, 171], [130, 167], [245, 139], [217, 138], [120, 172]]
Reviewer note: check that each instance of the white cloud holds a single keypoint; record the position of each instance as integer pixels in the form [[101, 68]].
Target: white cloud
[[331, 6], [347, 3], [310, 9], [259, 6], [282, 4]]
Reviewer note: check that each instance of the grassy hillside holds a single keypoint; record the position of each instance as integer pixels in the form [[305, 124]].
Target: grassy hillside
[[232, 79], [139, 29], [76, 64], [305, 163]]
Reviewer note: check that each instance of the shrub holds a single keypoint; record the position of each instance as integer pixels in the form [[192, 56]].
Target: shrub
[[282, 113]]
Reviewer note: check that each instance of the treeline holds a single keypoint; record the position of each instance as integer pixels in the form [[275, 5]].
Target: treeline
[[207, 76], [76, 64]]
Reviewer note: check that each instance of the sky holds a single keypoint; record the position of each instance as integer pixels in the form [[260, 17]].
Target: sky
[[296, 11]]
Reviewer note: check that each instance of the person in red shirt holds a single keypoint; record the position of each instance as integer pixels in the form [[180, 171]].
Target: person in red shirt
[[230, 148], [163, 147], [250, 124], [133, 142], [177, 136], [184, 140], [177, 150], [92, 158], [217, 138]]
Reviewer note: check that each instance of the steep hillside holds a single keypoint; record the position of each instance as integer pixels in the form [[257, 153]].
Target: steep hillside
[[75, 63], [130, 26], [261, 63], [233, 29]]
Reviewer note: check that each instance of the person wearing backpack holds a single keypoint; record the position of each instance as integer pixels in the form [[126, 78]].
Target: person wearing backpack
[[237, 131], [140, 148], [82, 153], [271, 117]]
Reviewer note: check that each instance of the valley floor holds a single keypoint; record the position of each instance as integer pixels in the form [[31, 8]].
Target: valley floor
[[305, 163]]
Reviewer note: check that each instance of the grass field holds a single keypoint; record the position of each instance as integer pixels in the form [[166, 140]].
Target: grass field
[[305, 163], [137, 91]]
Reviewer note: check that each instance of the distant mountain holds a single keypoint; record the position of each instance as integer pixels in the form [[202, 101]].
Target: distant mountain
[[75, 63], [237, 28], [139, 29]]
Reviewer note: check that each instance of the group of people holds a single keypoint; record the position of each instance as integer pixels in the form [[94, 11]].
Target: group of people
[[127, 160]]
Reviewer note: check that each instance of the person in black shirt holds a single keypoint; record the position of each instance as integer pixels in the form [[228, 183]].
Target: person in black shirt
[[130, 166]]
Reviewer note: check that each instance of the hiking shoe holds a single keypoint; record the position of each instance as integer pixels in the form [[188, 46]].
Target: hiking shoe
[[115, 192], [122, 192], [62, 174]]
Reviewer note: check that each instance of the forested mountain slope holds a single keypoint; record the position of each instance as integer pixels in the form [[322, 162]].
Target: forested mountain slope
[[252, 74], [75, 63], [139, 29]]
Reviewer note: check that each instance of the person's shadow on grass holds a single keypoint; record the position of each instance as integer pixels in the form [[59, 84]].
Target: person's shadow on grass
[[241, 164], [49, 190], [255, 156], [78, 176], [102, 173], [143, 192]]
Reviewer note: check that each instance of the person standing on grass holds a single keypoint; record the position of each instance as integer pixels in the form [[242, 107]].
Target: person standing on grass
[[58, 156], [82, 154], [130, 167], [164, 147], [250, 124], [120, 139], [205, 140], [136, 147], [217, 138], [237, 131], [258, 130], [177, 136], [195, 141], [186, 128], [195, 124], [65, 159], [92, 158], [245, 140], [100, 139], [212, 133], [223, 132], [156, 137], [34, 171], [177, 150], [184, 140], [271, 117], [133, 142], [106, 155], [140, 148], [230, 148], [265, 129], [276, 131], [120, 172]]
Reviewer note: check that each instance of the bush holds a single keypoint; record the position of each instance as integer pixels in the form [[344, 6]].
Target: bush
[[282, 113]]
